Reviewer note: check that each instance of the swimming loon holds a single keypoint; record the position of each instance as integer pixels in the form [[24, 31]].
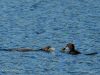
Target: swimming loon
[[46, 49], [70, 49]]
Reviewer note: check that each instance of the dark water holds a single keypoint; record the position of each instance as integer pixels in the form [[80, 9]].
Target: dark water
[[37, 23]]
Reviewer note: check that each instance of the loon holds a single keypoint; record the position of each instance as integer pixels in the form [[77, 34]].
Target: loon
[[70, 49], [46, 49]]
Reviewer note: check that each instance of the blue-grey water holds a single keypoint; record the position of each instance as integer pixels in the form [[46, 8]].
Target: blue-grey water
[[38, 23]]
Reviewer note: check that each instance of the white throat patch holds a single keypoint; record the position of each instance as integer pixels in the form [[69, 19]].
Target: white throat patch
[[67, 49]]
